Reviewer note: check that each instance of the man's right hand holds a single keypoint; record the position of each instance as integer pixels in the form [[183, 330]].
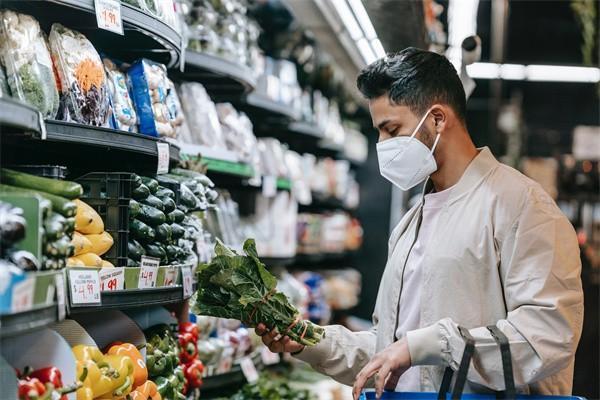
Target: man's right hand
[[276, 342]]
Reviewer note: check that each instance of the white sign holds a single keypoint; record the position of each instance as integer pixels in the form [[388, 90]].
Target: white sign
[[170, 277], [59, 281], [148, 272], [108, 15], [22, 295], [186, 278], [249, 369], [84, 285], [163, 158], [586, 142], [268, 357], [112, 279], [269, 186]]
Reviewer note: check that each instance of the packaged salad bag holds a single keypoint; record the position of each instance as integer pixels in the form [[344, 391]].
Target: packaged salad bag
[[123, 111], [83, 83], [24, 54]]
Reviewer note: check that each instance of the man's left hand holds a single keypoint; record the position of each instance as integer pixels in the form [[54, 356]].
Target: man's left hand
[[388, 365]]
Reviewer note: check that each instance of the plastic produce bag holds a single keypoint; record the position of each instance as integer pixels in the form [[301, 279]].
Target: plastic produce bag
[[24, 54], [4, 90], [176, 116], [201, 115], [83, 81], [124, 116], [149, 90], [238, 133]]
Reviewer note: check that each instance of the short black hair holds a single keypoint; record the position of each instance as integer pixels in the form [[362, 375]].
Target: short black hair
[[414, 78]]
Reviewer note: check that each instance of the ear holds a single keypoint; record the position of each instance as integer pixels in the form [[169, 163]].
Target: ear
[[440, 114]]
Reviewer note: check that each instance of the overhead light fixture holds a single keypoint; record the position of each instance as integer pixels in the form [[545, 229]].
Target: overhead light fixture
[[363, 19], [378, 48], [350, 23], [366, 51], [539, 73]]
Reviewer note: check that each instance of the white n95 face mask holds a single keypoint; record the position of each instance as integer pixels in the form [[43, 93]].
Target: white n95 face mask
[[405, 160]]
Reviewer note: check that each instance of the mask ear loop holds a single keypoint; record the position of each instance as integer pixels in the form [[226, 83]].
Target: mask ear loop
[[437, 139]]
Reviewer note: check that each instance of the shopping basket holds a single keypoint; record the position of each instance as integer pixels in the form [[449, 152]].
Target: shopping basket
[[461, 377]]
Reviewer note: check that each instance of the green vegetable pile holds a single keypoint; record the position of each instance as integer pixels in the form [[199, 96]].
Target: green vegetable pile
[[162, 361], [270, 388], [239, 287]]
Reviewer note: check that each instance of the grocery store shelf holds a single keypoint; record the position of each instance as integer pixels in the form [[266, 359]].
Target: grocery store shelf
[[220, 77], [260, 106], [284, 184], [322, 260], [229, 382], [278, 261], [17, 115], [228, 167], [22, 322], [320, 204], [133, 298], [144, 35], [306, 129]]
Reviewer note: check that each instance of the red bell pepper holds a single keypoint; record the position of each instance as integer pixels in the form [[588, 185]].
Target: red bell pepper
[[48, 379], [188, 347], [31, 389], [190, 327], [193, 373]]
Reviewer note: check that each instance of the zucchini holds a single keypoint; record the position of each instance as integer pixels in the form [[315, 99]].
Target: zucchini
[[187, 198], [132, 263], [151, 216], [164, 233], [64, 207], [173, 253], [169, 204], [140, 192], [134, 209], [136, 181], [154, 202], [201, 178], [135, 251], [176, 216], [152, 184], [140, 231], [54, 227], [69, 190], [163, 192], [60, 248], [177, 231], [157, 251], [70, 225]]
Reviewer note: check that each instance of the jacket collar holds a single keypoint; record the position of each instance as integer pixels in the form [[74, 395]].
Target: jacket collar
[[481, 165]]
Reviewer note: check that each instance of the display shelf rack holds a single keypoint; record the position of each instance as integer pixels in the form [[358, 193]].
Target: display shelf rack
[[221, 77], [144, 35], [25, 321], [278, 261], [320, 204], [284, 184], [229, 382], [15, 115], [239, 169], [300, 136], [260, 106], [321, 260]]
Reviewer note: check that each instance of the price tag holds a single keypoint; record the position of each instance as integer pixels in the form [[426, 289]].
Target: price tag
[[22, 295], [108, 15], [84, 286], [186, 278], [268, 357], [148, 272], [249, 369], [170, 277], [269, 186], [112, 279], [59, 281], [163, 158]]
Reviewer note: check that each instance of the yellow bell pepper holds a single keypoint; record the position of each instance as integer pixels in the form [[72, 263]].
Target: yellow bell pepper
[[87, 372], [140, 372], [106, 375], [123, 378]]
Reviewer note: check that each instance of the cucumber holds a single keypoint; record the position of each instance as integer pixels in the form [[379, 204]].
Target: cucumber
[[136, 181], [132, 263], [174, 253], [69, 225], [163, 192], [140, 192], [140, 231], [135, 251], [176, 216], [60, 248], [154, 202], [164, 233], [134, 209], [187, 198], [169, 204], [203, 179], [155, 250], [177, 231], [64, 207], [69, 190], [54, 227], [152, 184], [151, 216]]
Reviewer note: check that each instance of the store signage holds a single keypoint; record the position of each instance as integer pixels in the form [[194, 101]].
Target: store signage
[[163, 158], [108, 15], [112, 279], [22, 295], [148, 272], [249, 369], [170, 277], [84, 286], [186, 278], [59, 281], [269, 186]]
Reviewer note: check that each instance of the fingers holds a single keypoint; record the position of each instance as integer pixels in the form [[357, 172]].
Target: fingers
[[261, 329], [363, 376], [392, 381], [380, 379]]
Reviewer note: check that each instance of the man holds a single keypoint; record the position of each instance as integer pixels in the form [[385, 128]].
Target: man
[[485, 246]]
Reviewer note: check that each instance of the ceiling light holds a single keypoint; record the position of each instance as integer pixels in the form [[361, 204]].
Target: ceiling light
[[363, 18], [341, 6], [481, 70], [462, 22], [558, 73], [366, 51], [514, 72], [378, 48]]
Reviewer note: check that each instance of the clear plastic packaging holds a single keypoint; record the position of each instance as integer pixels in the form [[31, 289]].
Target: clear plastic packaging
[[124, 116], [4, 90], [176, 116], [84, 91], [201, 115], [24, 53], [238, 132], [152, 7]]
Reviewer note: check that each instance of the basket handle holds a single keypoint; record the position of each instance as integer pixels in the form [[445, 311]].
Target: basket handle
[[509, 380]]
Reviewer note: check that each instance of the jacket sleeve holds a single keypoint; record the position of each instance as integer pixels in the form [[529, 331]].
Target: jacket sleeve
[[540, 269]]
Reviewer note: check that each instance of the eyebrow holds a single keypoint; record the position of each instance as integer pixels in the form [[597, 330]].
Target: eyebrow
[[382, 124]]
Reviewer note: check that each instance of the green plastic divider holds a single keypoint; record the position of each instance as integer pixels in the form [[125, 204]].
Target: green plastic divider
[[284, 184], [228, 167]]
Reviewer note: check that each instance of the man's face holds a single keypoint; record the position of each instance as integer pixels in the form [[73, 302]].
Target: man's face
[[392, 120]]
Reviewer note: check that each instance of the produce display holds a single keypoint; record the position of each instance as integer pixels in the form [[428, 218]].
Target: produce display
[[269, 388], [193, 368], [90, 240], [45, 383], [24, 53], [240, 287], [162, 359], [124, 116]]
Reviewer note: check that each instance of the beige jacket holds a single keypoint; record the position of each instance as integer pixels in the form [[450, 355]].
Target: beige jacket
[[501, 253]]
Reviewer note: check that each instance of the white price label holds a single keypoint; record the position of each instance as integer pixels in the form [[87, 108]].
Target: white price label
[[249, 369], [148, 272], [170, 277], [268, 357], [163, 158], [269, 186], [186, 279], [59, 281], [112, 279], [22, 295], [108, 15], [84, 286]]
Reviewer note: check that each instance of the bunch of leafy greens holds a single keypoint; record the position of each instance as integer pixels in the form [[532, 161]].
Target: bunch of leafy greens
[[270, 388], [239, 287]]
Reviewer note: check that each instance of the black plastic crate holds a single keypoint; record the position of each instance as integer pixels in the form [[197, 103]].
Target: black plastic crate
[[46, 171], [109, 194]]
